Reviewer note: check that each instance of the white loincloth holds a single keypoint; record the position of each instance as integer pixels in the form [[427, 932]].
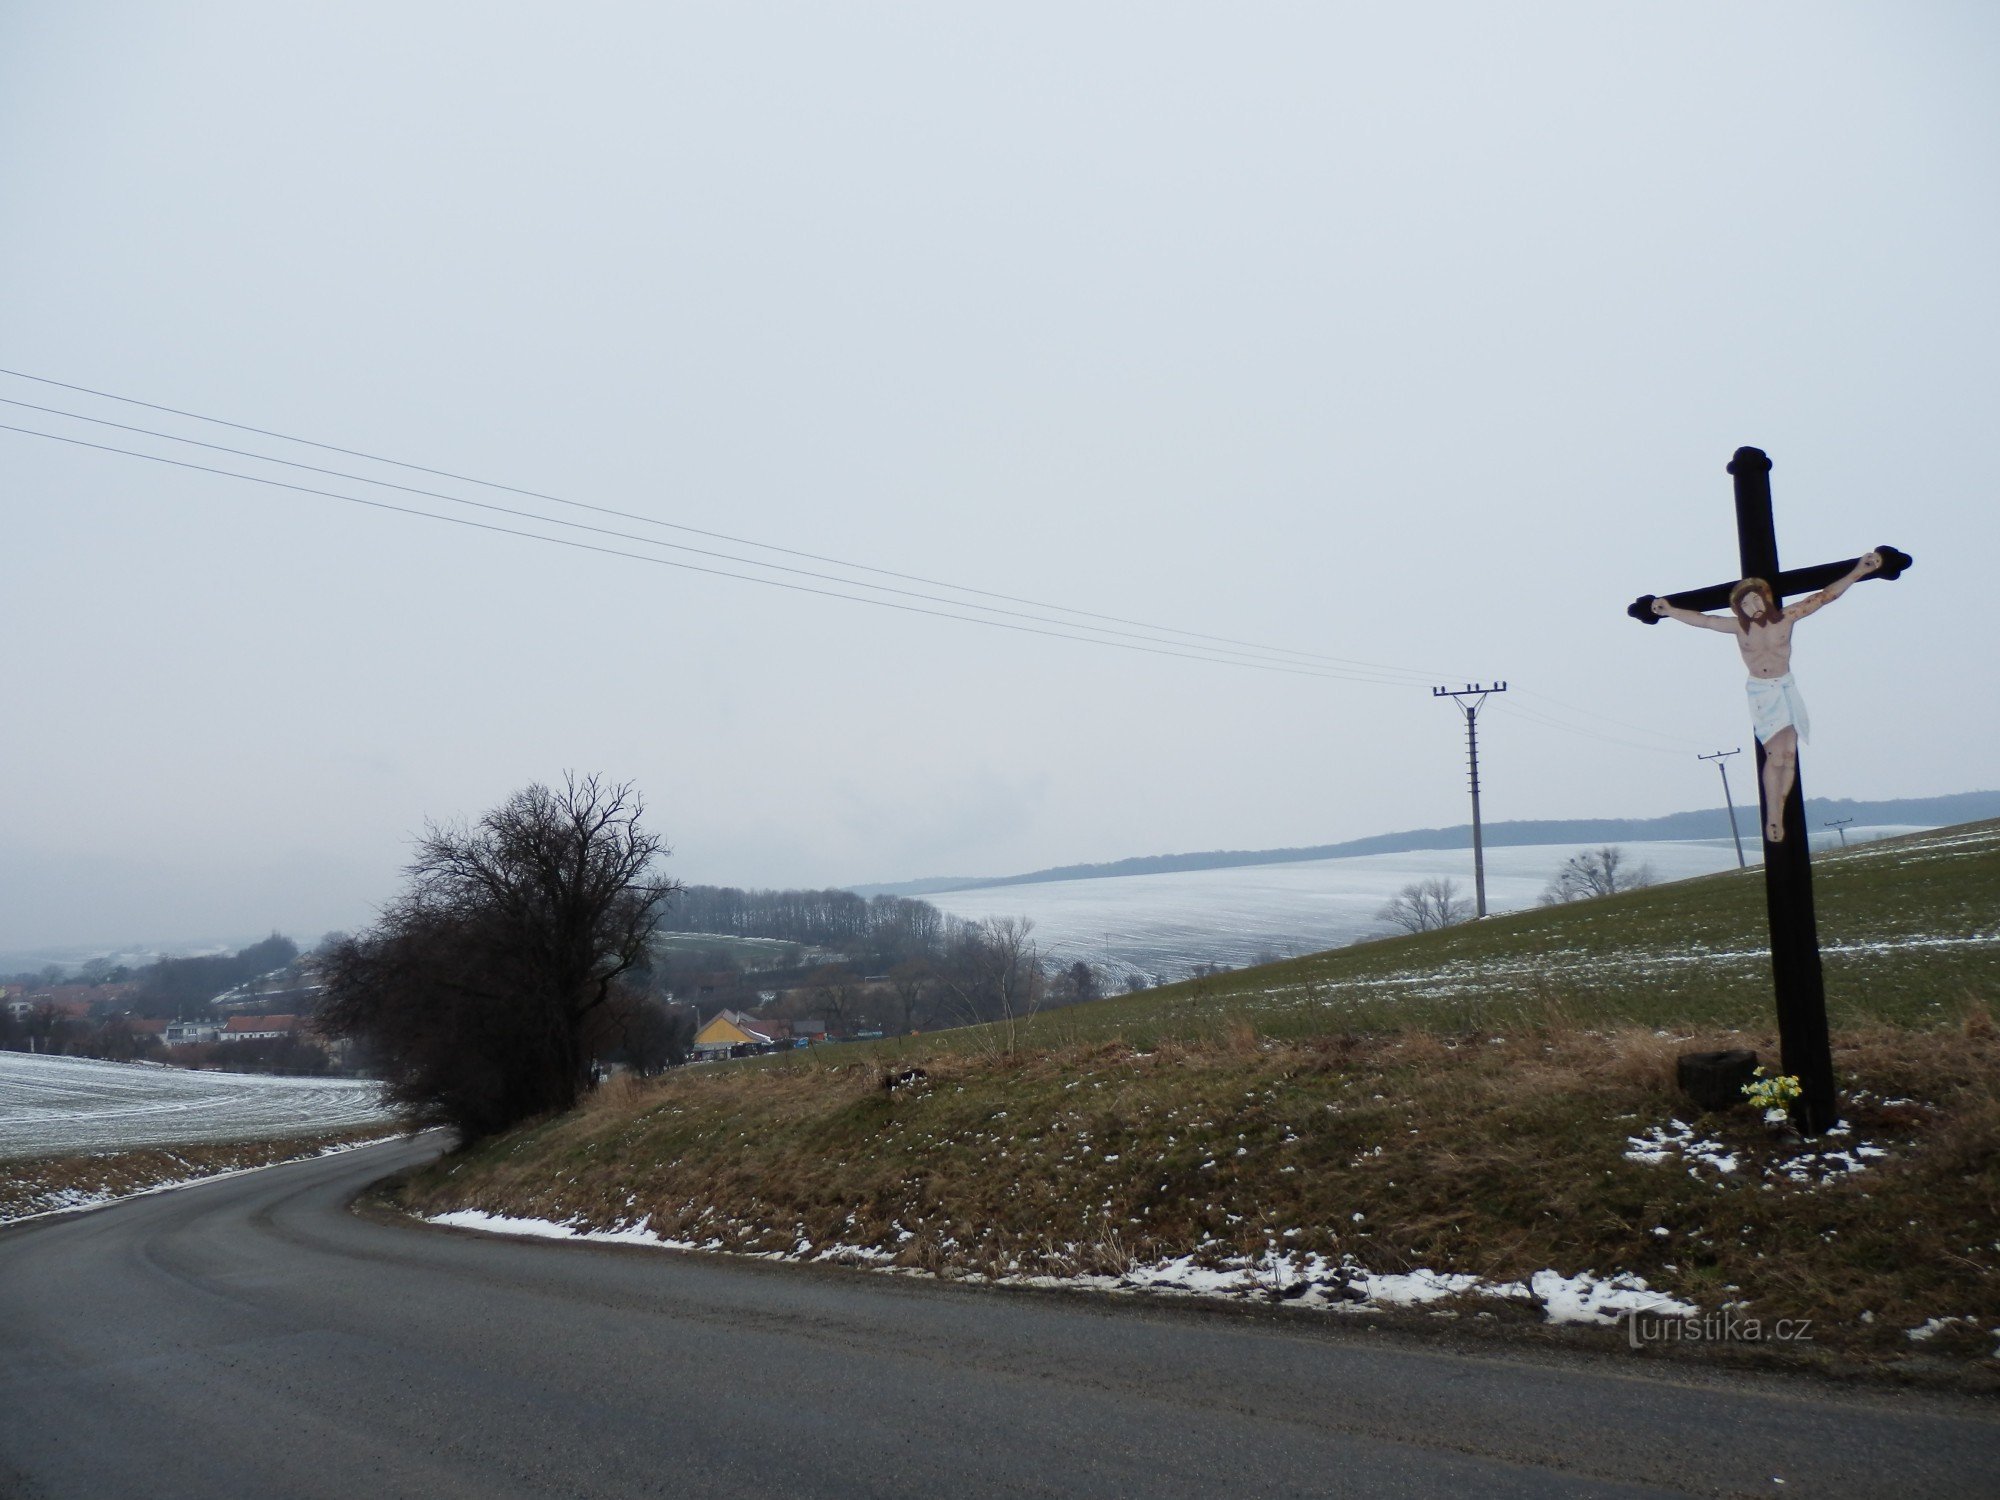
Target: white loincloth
[[1775, 704]]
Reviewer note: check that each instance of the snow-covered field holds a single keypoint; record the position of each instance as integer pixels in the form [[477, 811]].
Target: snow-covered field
[[1164, 925], [74, 1104]]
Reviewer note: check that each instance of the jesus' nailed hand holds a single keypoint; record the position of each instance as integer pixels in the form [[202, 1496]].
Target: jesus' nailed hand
[[1763, 634]]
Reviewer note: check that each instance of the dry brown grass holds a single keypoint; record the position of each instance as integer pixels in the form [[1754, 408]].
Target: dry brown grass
[[619, 1094], [1498, 1158], [1976, 1020]]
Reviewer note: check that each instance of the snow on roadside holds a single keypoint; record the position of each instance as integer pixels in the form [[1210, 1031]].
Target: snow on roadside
[[1930, 1328], [1309, 1280], [40, 1203]]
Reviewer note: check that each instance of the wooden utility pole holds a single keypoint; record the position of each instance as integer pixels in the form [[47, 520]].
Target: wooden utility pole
[[1477, 696], [1721, 759]]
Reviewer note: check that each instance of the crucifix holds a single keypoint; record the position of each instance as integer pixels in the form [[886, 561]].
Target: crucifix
[[1761, 621]]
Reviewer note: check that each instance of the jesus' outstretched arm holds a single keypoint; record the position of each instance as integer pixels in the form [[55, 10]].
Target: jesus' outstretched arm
[[1668, 611], [1868, 562]]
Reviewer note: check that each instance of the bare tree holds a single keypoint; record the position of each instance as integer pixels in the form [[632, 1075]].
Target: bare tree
[[650, 1037], [836, 997], [913, 989], [486, 985], [993, 973], [1595, 872], [1425, 906]]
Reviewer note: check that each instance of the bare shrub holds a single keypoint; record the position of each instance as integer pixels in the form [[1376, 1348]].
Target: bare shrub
[[1425, 906], [1603, 871]]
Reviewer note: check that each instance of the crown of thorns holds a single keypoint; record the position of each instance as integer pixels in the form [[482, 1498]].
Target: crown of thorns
[[1752, 586]]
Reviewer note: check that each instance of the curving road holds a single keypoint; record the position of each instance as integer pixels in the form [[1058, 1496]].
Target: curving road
[[252, 1337]]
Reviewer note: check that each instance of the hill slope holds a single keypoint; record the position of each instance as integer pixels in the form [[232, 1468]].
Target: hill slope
[[1480, 1122]]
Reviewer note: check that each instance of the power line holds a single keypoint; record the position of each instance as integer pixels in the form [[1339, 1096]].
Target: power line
[[1162, 640], [1603, 718], [1533, 716], [1405, 672], [1219, 652], [668, 562]]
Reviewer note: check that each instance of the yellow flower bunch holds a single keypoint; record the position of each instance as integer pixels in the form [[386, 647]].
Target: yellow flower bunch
[[1772, 1090]]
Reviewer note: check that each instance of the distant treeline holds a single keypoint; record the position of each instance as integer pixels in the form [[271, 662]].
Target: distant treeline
[[176, 986], [92, 1013], [885, 930], [901, 965], [171, 987], [1927, 812]]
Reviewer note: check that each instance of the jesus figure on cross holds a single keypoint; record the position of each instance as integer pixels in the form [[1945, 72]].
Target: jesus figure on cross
[[1763, 634]]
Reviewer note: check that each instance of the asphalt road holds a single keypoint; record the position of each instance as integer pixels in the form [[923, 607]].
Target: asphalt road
[[253, 1337]]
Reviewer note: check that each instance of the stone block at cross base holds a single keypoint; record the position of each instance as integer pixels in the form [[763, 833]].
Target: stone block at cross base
[[1716, 1080]]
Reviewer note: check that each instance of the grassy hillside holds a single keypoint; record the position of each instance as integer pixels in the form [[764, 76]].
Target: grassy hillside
[[1481, 1121], [1909, 928]]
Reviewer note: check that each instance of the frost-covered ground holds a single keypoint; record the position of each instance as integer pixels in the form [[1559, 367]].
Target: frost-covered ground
[[1166, 924], [74, 1104], [1309, 1280]]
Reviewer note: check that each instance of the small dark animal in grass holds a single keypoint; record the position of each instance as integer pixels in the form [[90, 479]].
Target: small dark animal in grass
[[905, 1078]]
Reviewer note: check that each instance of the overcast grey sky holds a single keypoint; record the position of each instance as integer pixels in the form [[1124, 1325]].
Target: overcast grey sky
[[1413, 334]]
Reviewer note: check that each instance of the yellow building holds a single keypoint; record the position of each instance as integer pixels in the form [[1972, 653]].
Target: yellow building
[[728, 1029]]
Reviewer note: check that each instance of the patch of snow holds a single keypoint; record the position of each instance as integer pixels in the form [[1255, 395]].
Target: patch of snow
[[1589, 1299], [1676, 1138], [1932, 1327], [1309, 1280]]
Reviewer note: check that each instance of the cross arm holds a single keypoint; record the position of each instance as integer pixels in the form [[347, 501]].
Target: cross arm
[[1792, 581]]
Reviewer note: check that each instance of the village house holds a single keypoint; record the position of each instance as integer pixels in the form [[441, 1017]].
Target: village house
[[260, 1028], [730, 1030]]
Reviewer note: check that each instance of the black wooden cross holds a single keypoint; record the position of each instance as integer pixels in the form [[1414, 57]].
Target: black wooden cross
[[1804, 1046]]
